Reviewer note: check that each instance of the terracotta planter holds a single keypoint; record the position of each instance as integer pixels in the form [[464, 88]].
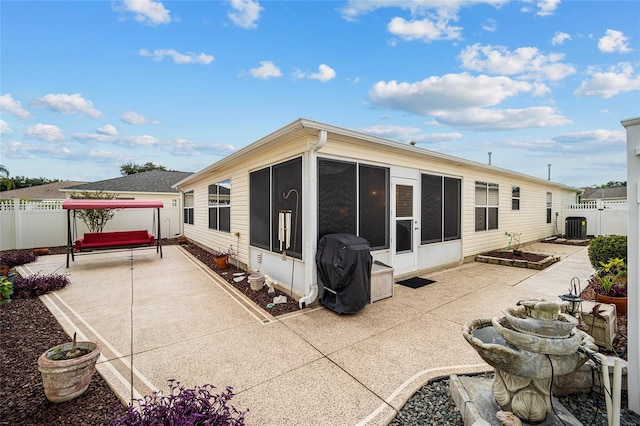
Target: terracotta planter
[[620, 302], [66, 379], [221, 261]]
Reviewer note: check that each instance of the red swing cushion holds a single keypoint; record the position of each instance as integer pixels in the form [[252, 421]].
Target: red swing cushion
[[114, 239]]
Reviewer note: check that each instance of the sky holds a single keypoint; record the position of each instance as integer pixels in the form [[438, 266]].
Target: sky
[[87, 86]]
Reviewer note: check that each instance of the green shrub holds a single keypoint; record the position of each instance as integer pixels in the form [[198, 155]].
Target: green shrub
[[607, 247]]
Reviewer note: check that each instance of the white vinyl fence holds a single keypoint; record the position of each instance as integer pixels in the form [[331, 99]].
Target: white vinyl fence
[[31, 224], [602, 217]]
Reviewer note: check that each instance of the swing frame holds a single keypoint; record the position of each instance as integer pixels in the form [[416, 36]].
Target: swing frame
[[71, 205]]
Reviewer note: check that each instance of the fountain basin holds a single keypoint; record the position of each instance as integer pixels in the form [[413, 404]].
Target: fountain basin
[[519, 361], [560, 328], [542, 345]]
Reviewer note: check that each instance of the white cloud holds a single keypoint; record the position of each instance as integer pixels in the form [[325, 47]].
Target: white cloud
[[143, 140], [4, 128], [490, 25], [614, 41], [547, 7], [267, 69], [408, 134], [619, 78], [245, 13], [107, 129], [45, 132], [598, 137], [527, 62], [177, 57], [147, 11], [131, 117], [185, 147], [68, 104], [560, 37], [449, 92], [11, 106], [356, 8], [461, 100], [424, 30], [325, 73], [502, 119]]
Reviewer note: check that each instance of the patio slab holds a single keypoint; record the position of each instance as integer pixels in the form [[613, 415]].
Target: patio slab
[[312, 367]]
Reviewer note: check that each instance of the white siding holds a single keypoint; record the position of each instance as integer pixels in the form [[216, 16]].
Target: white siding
[[530, 220]]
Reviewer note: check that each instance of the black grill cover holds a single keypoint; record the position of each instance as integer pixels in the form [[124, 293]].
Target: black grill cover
[[344, 272]]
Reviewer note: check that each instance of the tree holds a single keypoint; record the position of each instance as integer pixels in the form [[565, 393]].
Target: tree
[[95, 219], [613, 184], [132, 168], [5, 182], [26, 182]]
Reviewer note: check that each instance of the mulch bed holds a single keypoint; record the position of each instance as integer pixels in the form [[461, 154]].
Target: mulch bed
[[516, 255], [28, 329], [260, 298]]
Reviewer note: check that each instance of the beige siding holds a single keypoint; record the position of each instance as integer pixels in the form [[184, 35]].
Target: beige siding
[[530, 220], [239, 175]]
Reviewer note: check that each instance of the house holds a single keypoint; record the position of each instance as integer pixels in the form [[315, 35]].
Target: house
[[605, 194], [153, 184], [418, 209], [48, 191]]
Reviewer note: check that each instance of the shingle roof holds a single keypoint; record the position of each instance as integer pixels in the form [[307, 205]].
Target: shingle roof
[[48, 191], [606, 193], [151, 181]]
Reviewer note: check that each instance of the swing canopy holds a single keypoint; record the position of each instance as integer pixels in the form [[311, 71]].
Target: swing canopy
[[77, 204]]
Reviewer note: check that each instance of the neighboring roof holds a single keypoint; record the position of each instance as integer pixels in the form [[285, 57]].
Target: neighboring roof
[[156, 181], [302, 127], [48, 191], [73, 204], [605, 193]]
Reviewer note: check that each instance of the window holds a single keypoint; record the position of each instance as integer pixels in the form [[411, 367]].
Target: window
[[548, 207], [440, 209], [486, 210], [187, 203], [354, 198], [267, 190], [219, 203], [515, 198]]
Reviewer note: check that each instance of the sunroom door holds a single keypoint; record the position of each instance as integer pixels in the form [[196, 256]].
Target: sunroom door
[[406, 229]]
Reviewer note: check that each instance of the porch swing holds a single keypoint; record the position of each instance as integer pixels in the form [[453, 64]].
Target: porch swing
[[116, 240]]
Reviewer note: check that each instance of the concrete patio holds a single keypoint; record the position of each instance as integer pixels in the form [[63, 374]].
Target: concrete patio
[[312, 367]]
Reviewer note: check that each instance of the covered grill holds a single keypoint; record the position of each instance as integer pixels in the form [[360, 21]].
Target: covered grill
[[344, 272]]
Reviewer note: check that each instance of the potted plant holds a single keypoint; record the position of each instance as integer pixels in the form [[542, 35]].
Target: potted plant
[[222, 260], [67, 369], [612, 284], [7, 272], [6, 290]]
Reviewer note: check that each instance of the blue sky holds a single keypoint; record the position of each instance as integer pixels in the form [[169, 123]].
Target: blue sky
[[87, 86]]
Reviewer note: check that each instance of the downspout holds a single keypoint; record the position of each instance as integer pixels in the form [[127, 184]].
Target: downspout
[[311, 222]]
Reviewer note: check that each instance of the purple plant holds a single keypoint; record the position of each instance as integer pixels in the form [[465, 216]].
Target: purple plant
[[13, 258], [37, 285], [181, 407]]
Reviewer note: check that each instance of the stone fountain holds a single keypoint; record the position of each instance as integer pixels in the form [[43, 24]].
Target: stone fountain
[[527, 347]]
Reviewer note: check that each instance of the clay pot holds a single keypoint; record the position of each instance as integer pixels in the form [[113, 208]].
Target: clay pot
[[66, 379], [221, 261], [619, 301]]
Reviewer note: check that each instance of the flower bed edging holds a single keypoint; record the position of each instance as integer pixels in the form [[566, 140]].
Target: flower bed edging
[[544, 263]]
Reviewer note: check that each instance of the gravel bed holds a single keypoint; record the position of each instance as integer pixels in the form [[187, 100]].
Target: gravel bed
[[432, 405]]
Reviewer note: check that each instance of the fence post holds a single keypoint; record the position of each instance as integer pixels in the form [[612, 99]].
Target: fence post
[[16, 224]]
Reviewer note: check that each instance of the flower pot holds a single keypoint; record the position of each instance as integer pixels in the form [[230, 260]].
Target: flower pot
[[256, 282], [619, 301], [221, 261], [66, 379]]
